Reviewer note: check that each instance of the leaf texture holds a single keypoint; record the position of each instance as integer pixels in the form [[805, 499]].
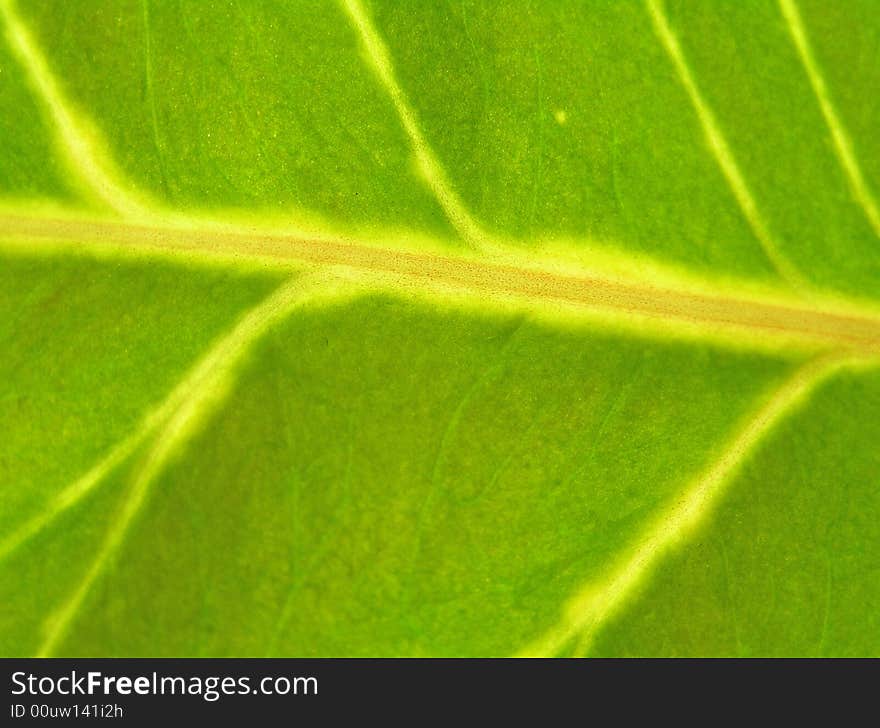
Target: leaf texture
[[363, 328]]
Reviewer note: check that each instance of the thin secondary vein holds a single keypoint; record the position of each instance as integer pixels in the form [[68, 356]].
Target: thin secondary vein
[[591, 609], [719, 147], [75, 139], [431, 170], [843, 146], [79, 489], [151, 91], [149, 424], [185, 411], [487, 280]]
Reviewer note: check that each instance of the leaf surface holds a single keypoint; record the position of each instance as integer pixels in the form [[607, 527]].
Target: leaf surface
[[465, 329]]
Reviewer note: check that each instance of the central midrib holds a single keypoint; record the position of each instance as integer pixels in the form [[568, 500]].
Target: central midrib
[[860, 333]]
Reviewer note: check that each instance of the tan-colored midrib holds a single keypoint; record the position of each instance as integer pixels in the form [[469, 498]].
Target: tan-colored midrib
[[849, 331]]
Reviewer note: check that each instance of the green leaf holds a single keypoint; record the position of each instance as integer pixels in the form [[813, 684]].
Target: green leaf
[[458, 329]]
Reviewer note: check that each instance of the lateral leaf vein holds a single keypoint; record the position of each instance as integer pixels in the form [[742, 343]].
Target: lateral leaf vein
[[195, 399], [598, 601]]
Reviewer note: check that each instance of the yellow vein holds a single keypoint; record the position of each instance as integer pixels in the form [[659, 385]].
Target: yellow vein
[[429, 166], [700, 312], [223, 348], [77, 140], [719, 147], [197, 397], [597, 602], [842, 143], [75, 492]]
